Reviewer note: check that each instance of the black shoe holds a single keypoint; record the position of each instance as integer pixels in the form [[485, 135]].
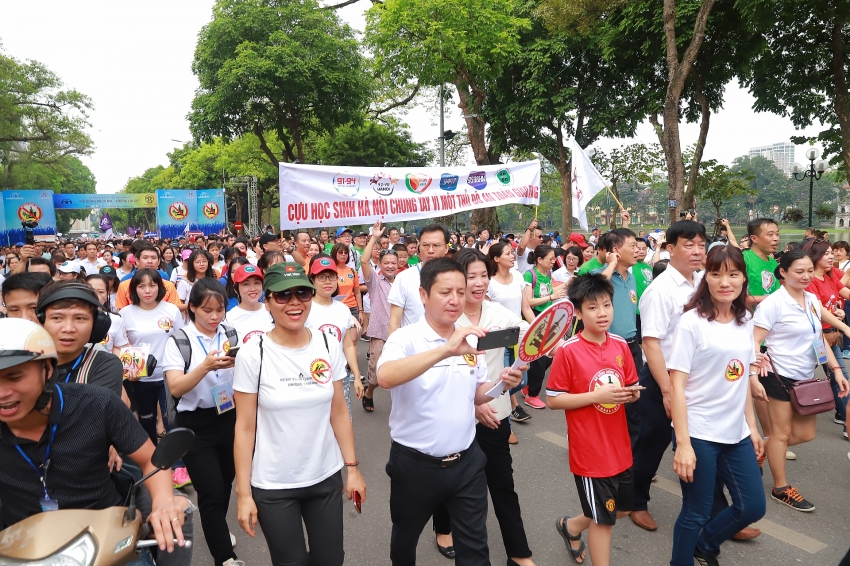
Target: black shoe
[[792, 498], [705, 559], [520, 415], [447, 551]]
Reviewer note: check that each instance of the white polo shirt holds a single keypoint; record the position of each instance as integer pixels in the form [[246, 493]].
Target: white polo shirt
[[200, 397], [522, 264], [661, 306], [405, 294], [91, 268], [434, 413], [791, 331]]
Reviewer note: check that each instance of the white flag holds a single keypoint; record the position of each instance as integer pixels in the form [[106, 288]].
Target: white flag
[[586, 183]]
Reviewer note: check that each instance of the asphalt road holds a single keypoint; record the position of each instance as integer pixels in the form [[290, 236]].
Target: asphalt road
[[547, 491]]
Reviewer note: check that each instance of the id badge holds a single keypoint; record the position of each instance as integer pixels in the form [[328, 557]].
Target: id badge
[[48, 504], [820, 350], [222, 397]]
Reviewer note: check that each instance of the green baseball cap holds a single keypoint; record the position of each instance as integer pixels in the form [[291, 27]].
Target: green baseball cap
[[283, 276]]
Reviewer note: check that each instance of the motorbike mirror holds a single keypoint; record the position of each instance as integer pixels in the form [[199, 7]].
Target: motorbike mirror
[[172, 447]]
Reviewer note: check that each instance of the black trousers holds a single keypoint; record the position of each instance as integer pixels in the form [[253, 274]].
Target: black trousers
[[500, 482], [210, 465], [633, 409], [418, 485], [281, 511], [536, 374]]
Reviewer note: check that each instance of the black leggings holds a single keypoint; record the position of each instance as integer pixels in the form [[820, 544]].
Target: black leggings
[[145, 395], [281, 511], [536, 374]]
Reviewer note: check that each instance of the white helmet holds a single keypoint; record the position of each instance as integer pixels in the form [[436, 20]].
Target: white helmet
[[23, 341]]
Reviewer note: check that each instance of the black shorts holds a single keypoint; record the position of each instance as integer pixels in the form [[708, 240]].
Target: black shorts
[[773, 389], [601, 498]]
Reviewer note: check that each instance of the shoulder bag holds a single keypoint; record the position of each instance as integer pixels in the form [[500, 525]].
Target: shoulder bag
[[808, 396]]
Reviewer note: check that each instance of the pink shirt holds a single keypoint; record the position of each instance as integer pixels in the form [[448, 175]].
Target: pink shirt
[[379, 290]]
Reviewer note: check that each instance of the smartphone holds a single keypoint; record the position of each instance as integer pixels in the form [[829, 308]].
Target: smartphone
[[358, 501], [233, 351], [636, 387], [503, 338]]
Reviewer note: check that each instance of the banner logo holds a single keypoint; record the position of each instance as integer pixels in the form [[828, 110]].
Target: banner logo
[[178, 211], [504, 177], [29, 212], [448, 182], [346, 184], [477, 180], [210, 210], [383, 184], [417, 182]]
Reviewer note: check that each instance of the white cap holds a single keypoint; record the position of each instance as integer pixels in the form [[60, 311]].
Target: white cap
[[69, 267]]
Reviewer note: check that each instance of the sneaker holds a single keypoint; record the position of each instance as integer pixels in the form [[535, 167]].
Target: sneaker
[[848, 455], [180, 478], [792, 498], [365, 339], [525, 391], [790, 455], [846, 354], [364, 381], [233, 562], [838, 420], [535, 403], [232, 541], [520, 415], [705, 559]]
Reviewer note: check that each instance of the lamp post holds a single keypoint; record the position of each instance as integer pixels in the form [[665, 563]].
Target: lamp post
[[813, 172]]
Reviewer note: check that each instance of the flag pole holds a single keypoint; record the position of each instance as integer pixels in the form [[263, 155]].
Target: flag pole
[[615, 198]]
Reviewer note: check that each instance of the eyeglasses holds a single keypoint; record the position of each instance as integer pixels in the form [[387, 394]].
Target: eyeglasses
[[303, 294], [325, 278], [388, 252], [431, 246]]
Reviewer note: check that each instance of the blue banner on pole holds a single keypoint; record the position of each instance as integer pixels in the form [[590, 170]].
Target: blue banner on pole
[[29, 206], [176, 209], [211, 211]]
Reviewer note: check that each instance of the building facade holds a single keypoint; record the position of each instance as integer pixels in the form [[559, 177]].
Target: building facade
[[782, 154]]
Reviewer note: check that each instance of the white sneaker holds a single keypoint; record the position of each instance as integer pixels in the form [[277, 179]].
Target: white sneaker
[[232, 541], [848, 455], [233, 562], [790, 455]]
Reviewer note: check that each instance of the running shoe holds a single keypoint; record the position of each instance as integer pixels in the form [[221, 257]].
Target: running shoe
[[520, 415], [837, 420], [233, 562], [790, 455], [232, 541], [846, 354], [705, 559], [180, 478], [365, 339], [792, 498], [525, 391], [535, 403]]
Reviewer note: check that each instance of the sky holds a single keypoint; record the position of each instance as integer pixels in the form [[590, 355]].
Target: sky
[[134, 60]]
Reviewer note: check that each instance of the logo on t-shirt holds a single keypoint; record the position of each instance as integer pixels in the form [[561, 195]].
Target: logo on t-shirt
[[734, 370], [251, 335], [619, 360], [471, 360], [226, 346], [633, 296], [607, 376], [165, 323], [332, 330], [647, 273], [767, 280], [320, 371], [544, 290]]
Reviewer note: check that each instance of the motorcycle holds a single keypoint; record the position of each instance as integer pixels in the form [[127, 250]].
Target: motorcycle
[[88, 537]]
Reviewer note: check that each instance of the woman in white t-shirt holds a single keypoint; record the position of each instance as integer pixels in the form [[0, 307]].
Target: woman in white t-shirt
[[507, 288], [789, 324], [199, 264], [572, 261], [293, 431], [248, 317], [152, 321], [714, 422], [204, 395], [117, 336], [493, 429], [335, 320]]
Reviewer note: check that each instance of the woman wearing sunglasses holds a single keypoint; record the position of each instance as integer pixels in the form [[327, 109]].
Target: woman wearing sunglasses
[[347, 283], [334, 319], [293, 431]]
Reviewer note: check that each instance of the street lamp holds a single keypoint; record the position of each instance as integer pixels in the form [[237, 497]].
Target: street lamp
[[813, 172]]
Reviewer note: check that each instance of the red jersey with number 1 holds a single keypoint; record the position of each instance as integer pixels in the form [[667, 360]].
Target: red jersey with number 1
[[598, 434]]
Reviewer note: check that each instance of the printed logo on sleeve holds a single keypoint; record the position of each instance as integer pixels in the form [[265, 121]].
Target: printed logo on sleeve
[[320, 371], [734, 370], [607, 376]]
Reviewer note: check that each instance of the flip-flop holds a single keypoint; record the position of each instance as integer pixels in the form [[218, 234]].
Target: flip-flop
[[575, 553], [368, 404]]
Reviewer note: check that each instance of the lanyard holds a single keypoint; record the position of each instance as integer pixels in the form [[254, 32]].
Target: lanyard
[[73, 367], [204, 348], [43, 474], [809, 317]]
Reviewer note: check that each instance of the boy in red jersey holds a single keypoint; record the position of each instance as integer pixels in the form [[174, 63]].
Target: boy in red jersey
[[589, 382]]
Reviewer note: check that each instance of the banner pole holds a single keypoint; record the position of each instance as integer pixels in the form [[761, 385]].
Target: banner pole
[[615, 198]]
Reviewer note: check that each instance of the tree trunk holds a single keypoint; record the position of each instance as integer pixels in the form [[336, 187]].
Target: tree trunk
[[616, 206], [705, 117], [566, 197], [839, 81]]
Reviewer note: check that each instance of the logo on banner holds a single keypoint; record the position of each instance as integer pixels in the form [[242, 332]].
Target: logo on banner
[[448, 182], [66, 201], [166, 194], [178, 211], [347, 184], [210, 210], [504, 177], [29, 212], [477, 180], [417, 182], [383, 184]]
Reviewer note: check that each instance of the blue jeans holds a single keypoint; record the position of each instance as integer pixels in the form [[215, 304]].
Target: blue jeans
[[840, 403], [695, 529]]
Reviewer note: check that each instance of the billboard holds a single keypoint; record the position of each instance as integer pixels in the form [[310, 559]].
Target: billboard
[[175, 210], [210, 210], [30, 206], [76, 201]]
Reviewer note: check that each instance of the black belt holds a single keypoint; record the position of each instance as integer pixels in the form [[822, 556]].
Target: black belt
[[444, 461], [828, 330]]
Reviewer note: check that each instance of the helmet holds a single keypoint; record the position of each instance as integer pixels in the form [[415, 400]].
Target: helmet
[[23, 341]]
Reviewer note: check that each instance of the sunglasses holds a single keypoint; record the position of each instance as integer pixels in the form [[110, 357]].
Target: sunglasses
[[303, 294], [388, 252]]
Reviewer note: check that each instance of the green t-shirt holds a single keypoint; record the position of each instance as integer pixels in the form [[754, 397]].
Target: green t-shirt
[[761, 274], [643, 277], [411, 261], [542, 286], [328, 247], [589, 266]]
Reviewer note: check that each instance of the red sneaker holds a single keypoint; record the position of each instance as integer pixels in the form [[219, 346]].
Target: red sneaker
[[535, 403], [525, 391]]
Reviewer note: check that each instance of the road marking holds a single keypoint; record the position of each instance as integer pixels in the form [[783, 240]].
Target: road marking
[[768, 527]]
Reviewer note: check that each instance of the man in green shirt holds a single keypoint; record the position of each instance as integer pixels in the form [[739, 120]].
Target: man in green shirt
[[763, 234], [641, 270], [598, 260]]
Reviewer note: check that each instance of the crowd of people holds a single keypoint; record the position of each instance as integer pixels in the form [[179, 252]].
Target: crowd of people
[[253, 345]]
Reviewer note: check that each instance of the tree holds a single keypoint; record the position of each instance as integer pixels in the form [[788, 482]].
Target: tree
[[633, 163], [371, 144], [276, 66], [718, 184], [464, 43]]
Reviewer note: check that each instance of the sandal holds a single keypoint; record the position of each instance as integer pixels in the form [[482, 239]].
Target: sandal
[[575, 553], [368, 404]]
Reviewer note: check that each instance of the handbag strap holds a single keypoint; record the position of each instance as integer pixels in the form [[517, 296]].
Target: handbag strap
[[775, 374]]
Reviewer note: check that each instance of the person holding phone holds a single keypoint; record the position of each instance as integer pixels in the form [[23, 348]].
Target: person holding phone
[[291, 442], [204, 395]]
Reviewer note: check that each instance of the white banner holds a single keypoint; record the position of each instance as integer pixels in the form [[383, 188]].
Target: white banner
[[312, 196]]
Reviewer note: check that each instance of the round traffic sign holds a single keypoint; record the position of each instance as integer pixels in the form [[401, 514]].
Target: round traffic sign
[[550, 326], [237, 225]]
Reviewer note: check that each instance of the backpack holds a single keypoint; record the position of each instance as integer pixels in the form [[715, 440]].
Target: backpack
[[185, 346]]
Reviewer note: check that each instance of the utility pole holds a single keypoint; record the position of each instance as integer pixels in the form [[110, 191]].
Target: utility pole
[[442, 133]]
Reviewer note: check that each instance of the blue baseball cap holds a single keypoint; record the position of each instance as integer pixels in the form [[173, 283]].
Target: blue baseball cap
[[343, 230]]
